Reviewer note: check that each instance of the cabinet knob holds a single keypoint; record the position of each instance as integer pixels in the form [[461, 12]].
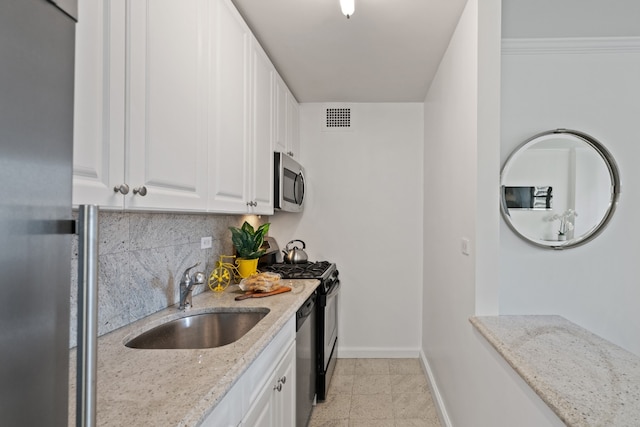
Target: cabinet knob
[[140, 190], [283, 379], [278, 387], [252, 203], [122, 189], [290, 153]]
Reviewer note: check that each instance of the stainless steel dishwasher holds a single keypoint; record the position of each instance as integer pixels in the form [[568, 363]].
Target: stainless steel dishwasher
[[305, 360]]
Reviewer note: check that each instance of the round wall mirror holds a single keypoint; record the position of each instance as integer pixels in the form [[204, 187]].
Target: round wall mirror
[[559, 189]]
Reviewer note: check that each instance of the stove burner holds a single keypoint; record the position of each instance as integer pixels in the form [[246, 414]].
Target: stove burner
[[308, 270]]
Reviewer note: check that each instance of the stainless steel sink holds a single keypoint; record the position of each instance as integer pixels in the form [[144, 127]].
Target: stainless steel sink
[[205, 330]]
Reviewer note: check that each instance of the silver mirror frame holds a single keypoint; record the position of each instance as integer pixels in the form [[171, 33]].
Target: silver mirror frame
[[614, 175]]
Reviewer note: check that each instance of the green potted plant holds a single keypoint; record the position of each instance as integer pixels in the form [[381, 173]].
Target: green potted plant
[[248, 242]]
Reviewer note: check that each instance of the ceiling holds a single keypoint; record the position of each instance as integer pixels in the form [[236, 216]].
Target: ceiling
[[388, 51]]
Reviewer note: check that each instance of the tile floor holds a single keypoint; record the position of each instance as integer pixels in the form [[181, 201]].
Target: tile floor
[[377, 393]]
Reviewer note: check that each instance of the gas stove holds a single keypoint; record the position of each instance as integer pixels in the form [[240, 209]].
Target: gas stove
[[307, 270], [324, 271]]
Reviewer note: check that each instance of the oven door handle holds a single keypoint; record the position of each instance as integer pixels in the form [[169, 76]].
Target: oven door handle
[[334, 289]]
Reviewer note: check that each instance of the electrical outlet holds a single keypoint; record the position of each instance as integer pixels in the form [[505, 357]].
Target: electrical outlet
[[465, 246], [206, 242]]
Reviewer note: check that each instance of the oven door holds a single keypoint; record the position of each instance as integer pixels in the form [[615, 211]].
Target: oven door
[[331, 322]]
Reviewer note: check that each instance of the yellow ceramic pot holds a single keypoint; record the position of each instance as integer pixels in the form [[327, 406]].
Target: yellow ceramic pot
[[247, 267]]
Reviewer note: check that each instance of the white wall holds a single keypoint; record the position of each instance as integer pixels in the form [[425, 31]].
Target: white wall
[[597, 92], [364, 212], [474, 386]]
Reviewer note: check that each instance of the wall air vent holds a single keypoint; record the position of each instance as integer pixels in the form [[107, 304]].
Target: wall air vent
[[337, 118]]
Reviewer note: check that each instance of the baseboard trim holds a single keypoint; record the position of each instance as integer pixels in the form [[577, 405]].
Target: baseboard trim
[[378, 353], [435, 392]]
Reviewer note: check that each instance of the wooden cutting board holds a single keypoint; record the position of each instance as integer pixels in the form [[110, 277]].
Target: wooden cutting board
[[254, 294]]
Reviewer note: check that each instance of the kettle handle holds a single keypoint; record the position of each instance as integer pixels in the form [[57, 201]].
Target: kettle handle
[[292, 241]]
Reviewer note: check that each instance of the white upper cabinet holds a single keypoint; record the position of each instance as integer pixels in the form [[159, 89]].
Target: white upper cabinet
[[241, 152], [262, 124], [280, 137], [140, 115], [287, 127], [229, 144], [293, 126], [99, 121], [167, 105], [176, 109]]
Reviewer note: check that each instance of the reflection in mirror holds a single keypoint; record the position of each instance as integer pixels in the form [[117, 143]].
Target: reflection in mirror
[[528, 197], [559, 189]]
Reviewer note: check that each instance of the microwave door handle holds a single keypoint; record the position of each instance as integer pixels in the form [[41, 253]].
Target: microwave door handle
[[299, 177]]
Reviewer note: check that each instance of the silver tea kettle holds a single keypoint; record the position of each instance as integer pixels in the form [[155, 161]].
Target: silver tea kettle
[[295, 255]]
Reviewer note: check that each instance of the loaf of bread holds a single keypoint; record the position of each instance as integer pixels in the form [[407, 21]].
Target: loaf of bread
[[261, 282]]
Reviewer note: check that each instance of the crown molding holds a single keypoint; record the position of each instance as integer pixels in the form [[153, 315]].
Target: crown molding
[[569, 45]]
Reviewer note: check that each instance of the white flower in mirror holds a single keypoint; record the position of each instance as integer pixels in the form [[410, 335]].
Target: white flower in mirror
[[567, 218]]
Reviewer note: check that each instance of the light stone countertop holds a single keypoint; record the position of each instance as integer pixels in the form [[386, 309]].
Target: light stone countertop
[[584, 379], [181, 387]]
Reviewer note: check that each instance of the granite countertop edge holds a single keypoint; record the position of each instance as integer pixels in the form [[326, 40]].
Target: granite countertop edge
[[181, 387], [585, 379]]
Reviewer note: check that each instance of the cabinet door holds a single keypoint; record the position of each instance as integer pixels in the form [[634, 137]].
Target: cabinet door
[[99, 111], [285, 395], [262, 411], [275, 405], [280, 140], [167, 104], [229, 160], [262, 89], [293, 126]]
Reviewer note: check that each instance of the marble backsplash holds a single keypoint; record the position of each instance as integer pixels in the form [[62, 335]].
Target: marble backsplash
[[142, 256]]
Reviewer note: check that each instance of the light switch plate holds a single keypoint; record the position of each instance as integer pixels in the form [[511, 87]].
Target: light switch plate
[[465, 246], [206, 242]]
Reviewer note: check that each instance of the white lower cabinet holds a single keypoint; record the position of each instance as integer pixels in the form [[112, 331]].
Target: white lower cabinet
[[265, 395], [275, 405]]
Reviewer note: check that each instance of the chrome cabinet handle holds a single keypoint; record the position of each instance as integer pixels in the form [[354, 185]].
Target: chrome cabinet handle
[[290, 153], [252, 203], [140, 190], [283, 379], [278, 387], [122, 189]]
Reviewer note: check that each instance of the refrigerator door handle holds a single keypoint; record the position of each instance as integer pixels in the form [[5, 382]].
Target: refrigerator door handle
[[87, 229]]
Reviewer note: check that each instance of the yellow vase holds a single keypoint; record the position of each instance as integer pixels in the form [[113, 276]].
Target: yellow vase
[[247, 267]]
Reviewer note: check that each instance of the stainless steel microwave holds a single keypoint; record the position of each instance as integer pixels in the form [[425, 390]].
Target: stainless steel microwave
[[289, 183]]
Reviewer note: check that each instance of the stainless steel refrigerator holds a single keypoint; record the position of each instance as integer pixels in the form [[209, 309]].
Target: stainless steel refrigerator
[[36, 153]]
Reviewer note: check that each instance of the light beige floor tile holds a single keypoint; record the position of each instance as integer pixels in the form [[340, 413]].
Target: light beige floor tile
[[371, 407], [372, 423], [405, 366], [371, 384], [412, 405], [377, 393], [372, 366], [414, 422], [335, 407], [329, 423], [341, 384], [345, 367], [410, 383]]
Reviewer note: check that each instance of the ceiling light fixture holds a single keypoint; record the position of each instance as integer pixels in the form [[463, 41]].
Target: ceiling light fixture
[[348, 7]]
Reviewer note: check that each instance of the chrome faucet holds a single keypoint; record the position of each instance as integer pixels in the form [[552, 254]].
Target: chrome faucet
[[187, 282]]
